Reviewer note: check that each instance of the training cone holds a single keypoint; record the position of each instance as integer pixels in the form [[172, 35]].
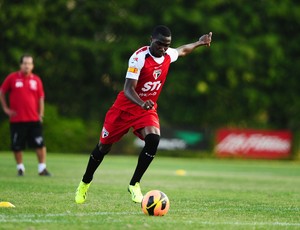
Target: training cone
[[5, 204], [180, 172]]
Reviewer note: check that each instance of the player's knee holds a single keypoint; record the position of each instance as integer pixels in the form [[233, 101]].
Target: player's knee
[[151, 143], [98, 153], [104, 148]]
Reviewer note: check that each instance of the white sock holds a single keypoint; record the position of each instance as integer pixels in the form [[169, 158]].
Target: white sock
[[41, 167], [21, 166]]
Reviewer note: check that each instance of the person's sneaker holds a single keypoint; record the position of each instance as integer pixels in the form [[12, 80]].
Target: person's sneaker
[[135, 191], [20, 172], [45, 173], [81, 192]]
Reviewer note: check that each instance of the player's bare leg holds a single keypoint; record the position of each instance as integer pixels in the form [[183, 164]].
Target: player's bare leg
[[41, 155], [18, 157], [19, 160]]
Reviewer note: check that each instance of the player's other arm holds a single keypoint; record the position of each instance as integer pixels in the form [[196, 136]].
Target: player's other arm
[[131, 94], [5, 107], [204, 40], [3, 102], [41, 108]]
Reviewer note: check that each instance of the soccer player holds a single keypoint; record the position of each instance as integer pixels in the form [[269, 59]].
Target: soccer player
[[135, 107], [25, 112]]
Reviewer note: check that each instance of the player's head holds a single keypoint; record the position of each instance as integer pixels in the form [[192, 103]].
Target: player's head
[[160, 40], [26, 63]]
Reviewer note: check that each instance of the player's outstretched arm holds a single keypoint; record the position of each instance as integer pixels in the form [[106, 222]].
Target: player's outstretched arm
[[204, 40]]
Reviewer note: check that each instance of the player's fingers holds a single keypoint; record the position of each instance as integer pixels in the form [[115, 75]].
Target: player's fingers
[[12, 113], [151, 102], [210, 34]]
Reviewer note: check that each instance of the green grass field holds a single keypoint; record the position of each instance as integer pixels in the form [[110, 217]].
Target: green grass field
[[214, 194]]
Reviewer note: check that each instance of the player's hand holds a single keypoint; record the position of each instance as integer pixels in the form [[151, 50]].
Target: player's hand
[[10, 112], [41, 118], [147, 105], [206, 39]]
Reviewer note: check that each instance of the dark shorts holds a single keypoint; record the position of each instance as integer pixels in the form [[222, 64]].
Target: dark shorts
[[22, 133]]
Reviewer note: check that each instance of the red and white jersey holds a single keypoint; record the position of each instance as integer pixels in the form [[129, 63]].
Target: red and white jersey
[[150, 72], [24, 95]]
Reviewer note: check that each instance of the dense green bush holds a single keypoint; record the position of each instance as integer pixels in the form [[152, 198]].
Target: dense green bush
[[4, 135], [65, 134]]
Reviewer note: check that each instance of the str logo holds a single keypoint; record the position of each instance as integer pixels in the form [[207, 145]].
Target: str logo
[[151, 86]]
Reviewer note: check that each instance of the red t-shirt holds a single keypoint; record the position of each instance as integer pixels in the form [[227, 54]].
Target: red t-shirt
[[151, 73], [25, 93]]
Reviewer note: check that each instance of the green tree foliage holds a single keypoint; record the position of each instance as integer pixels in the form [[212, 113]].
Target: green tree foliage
[[247, 78]]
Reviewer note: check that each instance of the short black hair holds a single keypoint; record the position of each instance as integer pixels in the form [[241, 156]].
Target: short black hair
[[23, 56], [161, 29]]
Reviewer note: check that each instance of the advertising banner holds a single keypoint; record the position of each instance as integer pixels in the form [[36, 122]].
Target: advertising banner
[[253, 143], [185, 138]]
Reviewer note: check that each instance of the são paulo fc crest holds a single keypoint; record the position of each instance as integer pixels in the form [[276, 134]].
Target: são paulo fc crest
[[105, 133], [156, 73], [33, 84]]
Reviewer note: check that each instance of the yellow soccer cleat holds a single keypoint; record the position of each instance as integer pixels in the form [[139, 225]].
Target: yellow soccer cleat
[[135, 191], [81, 192]]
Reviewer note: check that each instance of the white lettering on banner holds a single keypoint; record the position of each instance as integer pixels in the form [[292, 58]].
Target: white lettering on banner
[[164, 143], [235, 143], [171, 144]]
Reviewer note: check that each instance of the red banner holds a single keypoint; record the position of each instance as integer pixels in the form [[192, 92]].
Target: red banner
[[253, 143]]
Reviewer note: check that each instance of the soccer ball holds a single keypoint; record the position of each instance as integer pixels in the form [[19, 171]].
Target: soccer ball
[[155, 203]]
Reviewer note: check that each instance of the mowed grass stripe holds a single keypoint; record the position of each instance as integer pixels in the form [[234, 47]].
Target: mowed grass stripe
[[46, 219], [214, 194]]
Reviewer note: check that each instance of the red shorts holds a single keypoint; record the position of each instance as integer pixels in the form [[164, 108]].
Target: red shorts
[[118, 122]]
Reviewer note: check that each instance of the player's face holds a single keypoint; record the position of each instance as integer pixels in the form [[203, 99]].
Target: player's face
[[159, 45], [27, 65]]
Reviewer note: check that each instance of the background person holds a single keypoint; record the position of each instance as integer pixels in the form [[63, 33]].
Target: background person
[[25, 112]]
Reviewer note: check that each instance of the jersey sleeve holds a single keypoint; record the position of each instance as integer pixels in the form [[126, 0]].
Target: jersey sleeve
[[135, 64], [41, 92], [173, 54]]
